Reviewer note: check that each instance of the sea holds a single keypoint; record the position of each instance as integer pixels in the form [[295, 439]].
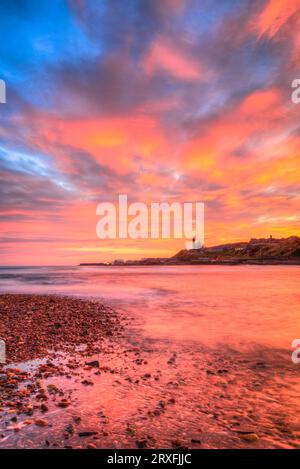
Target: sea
[[206, 304]]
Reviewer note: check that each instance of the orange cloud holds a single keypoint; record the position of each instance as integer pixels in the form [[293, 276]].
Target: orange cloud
[[244, 144]]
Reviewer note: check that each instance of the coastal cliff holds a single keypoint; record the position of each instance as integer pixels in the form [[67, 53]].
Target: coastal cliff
[[268, 250]]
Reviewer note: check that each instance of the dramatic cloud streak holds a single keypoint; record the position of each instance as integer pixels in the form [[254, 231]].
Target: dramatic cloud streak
[[178, 100]]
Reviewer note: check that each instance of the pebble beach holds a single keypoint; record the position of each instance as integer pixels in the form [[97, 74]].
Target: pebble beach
[[79, 376]]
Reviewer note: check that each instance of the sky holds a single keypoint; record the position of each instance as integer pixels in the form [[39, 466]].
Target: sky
[[162, 100]]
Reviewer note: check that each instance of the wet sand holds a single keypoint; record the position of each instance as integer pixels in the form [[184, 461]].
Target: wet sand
[[115, 388]]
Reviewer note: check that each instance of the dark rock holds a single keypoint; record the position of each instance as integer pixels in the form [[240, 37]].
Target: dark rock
[[86, 382], [84, 434], [69, 429], [93, 363]]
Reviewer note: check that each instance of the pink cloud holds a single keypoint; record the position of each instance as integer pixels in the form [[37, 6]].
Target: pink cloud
[[163, 56]]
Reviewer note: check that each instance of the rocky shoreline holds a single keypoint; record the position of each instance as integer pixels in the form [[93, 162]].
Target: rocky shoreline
[[46, 337]]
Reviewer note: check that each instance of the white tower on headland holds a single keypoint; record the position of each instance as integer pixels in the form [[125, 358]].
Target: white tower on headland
[[196, 244]]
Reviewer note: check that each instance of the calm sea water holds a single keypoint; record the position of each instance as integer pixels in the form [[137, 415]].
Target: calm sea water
[[207, 304]]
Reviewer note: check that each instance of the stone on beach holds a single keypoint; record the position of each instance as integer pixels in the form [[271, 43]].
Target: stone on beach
[[93, 364], [41, 422]]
